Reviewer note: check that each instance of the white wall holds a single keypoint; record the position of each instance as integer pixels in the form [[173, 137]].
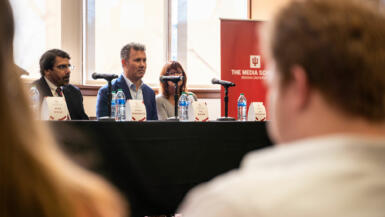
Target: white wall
[[264, 10], [90, 105]]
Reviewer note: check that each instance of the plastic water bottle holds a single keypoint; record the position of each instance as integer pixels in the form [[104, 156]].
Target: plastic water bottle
[[190, 98], [120, 106], [35, 98], [183, 106], [242, 107], [113, 105]]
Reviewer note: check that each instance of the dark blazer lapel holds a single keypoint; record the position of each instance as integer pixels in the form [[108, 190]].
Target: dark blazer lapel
[[146, 98], [123, 85], [44, 88], [67, 92], [69, 101], [74, 102]]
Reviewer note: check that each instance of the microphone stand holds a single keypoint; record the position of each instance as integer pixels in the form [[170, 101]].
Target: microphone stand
[[176, 97], [226, 100], [109, 96]]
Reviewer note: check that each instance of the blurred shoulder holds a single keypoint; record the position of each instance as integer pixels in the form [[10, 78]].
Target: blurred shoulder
[[160, 98], [219, 197], [73, 87], [145, 86], [36, 82]]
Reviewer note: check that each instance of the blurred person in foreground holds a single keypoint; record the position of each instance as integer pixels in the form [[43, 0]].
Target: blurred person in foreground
[[36, 179], [55, 70], [327, 102], [165, 99], [134, 64]]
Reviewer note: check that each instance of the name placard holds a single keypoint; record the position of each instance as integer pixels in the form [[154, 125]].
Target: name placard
[[257, 112], [198, 111], [54, 108], [135, 110]]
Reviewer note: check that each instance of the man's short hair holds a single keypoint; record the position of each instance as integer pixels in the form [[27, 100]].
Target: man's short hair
[[341, 46], [47, 60], [125, 52]]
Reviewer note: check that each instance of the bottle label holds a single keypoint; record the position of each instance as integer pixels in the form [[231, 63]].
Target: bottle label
[[241, 103], [182, 103], [121, 101]]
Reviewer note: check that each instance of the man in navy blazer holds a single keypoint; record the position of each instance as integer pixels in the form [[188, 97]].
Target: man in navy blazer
[[133, 57], [55, 70]]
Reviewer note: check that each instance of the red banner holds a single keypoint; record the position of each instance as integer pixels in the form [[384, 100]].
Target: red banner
[[242, 63]]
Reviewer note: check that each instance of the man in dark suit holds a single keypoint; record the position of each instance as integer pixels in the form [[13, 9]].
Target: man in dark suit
[[133, 57], [55, 69]]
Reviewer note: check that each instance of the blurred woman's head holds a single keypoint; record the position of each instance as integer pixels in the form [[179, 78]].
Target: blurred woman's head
[[36, 179], [172, 68]]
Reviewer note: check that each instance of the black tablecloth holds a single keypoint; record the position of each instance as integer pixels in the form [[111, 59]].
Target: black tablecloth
[[154, 164]]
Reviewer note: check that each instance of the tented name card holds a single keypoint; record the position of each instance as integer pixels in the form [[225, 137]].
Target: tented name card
[[257, 112], [135, 110], [54, 108], [198, 112]]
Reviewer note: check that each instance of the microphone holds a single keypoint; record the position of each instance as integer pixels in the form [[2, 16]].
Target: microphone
[[174, 79], [222, 82], [104, 76]]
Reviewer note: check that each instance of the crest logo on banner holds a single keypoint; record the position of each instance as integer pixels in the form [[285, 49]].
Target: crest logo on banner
[[255, 61]]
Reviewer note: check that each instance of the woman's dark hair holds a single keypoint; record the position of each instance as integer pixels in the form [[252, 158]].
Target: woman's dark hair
[[164, 85]]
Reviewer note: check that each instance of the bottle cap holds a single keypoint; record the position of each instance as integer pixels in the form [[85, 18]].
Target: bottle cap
[[242, 94]]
